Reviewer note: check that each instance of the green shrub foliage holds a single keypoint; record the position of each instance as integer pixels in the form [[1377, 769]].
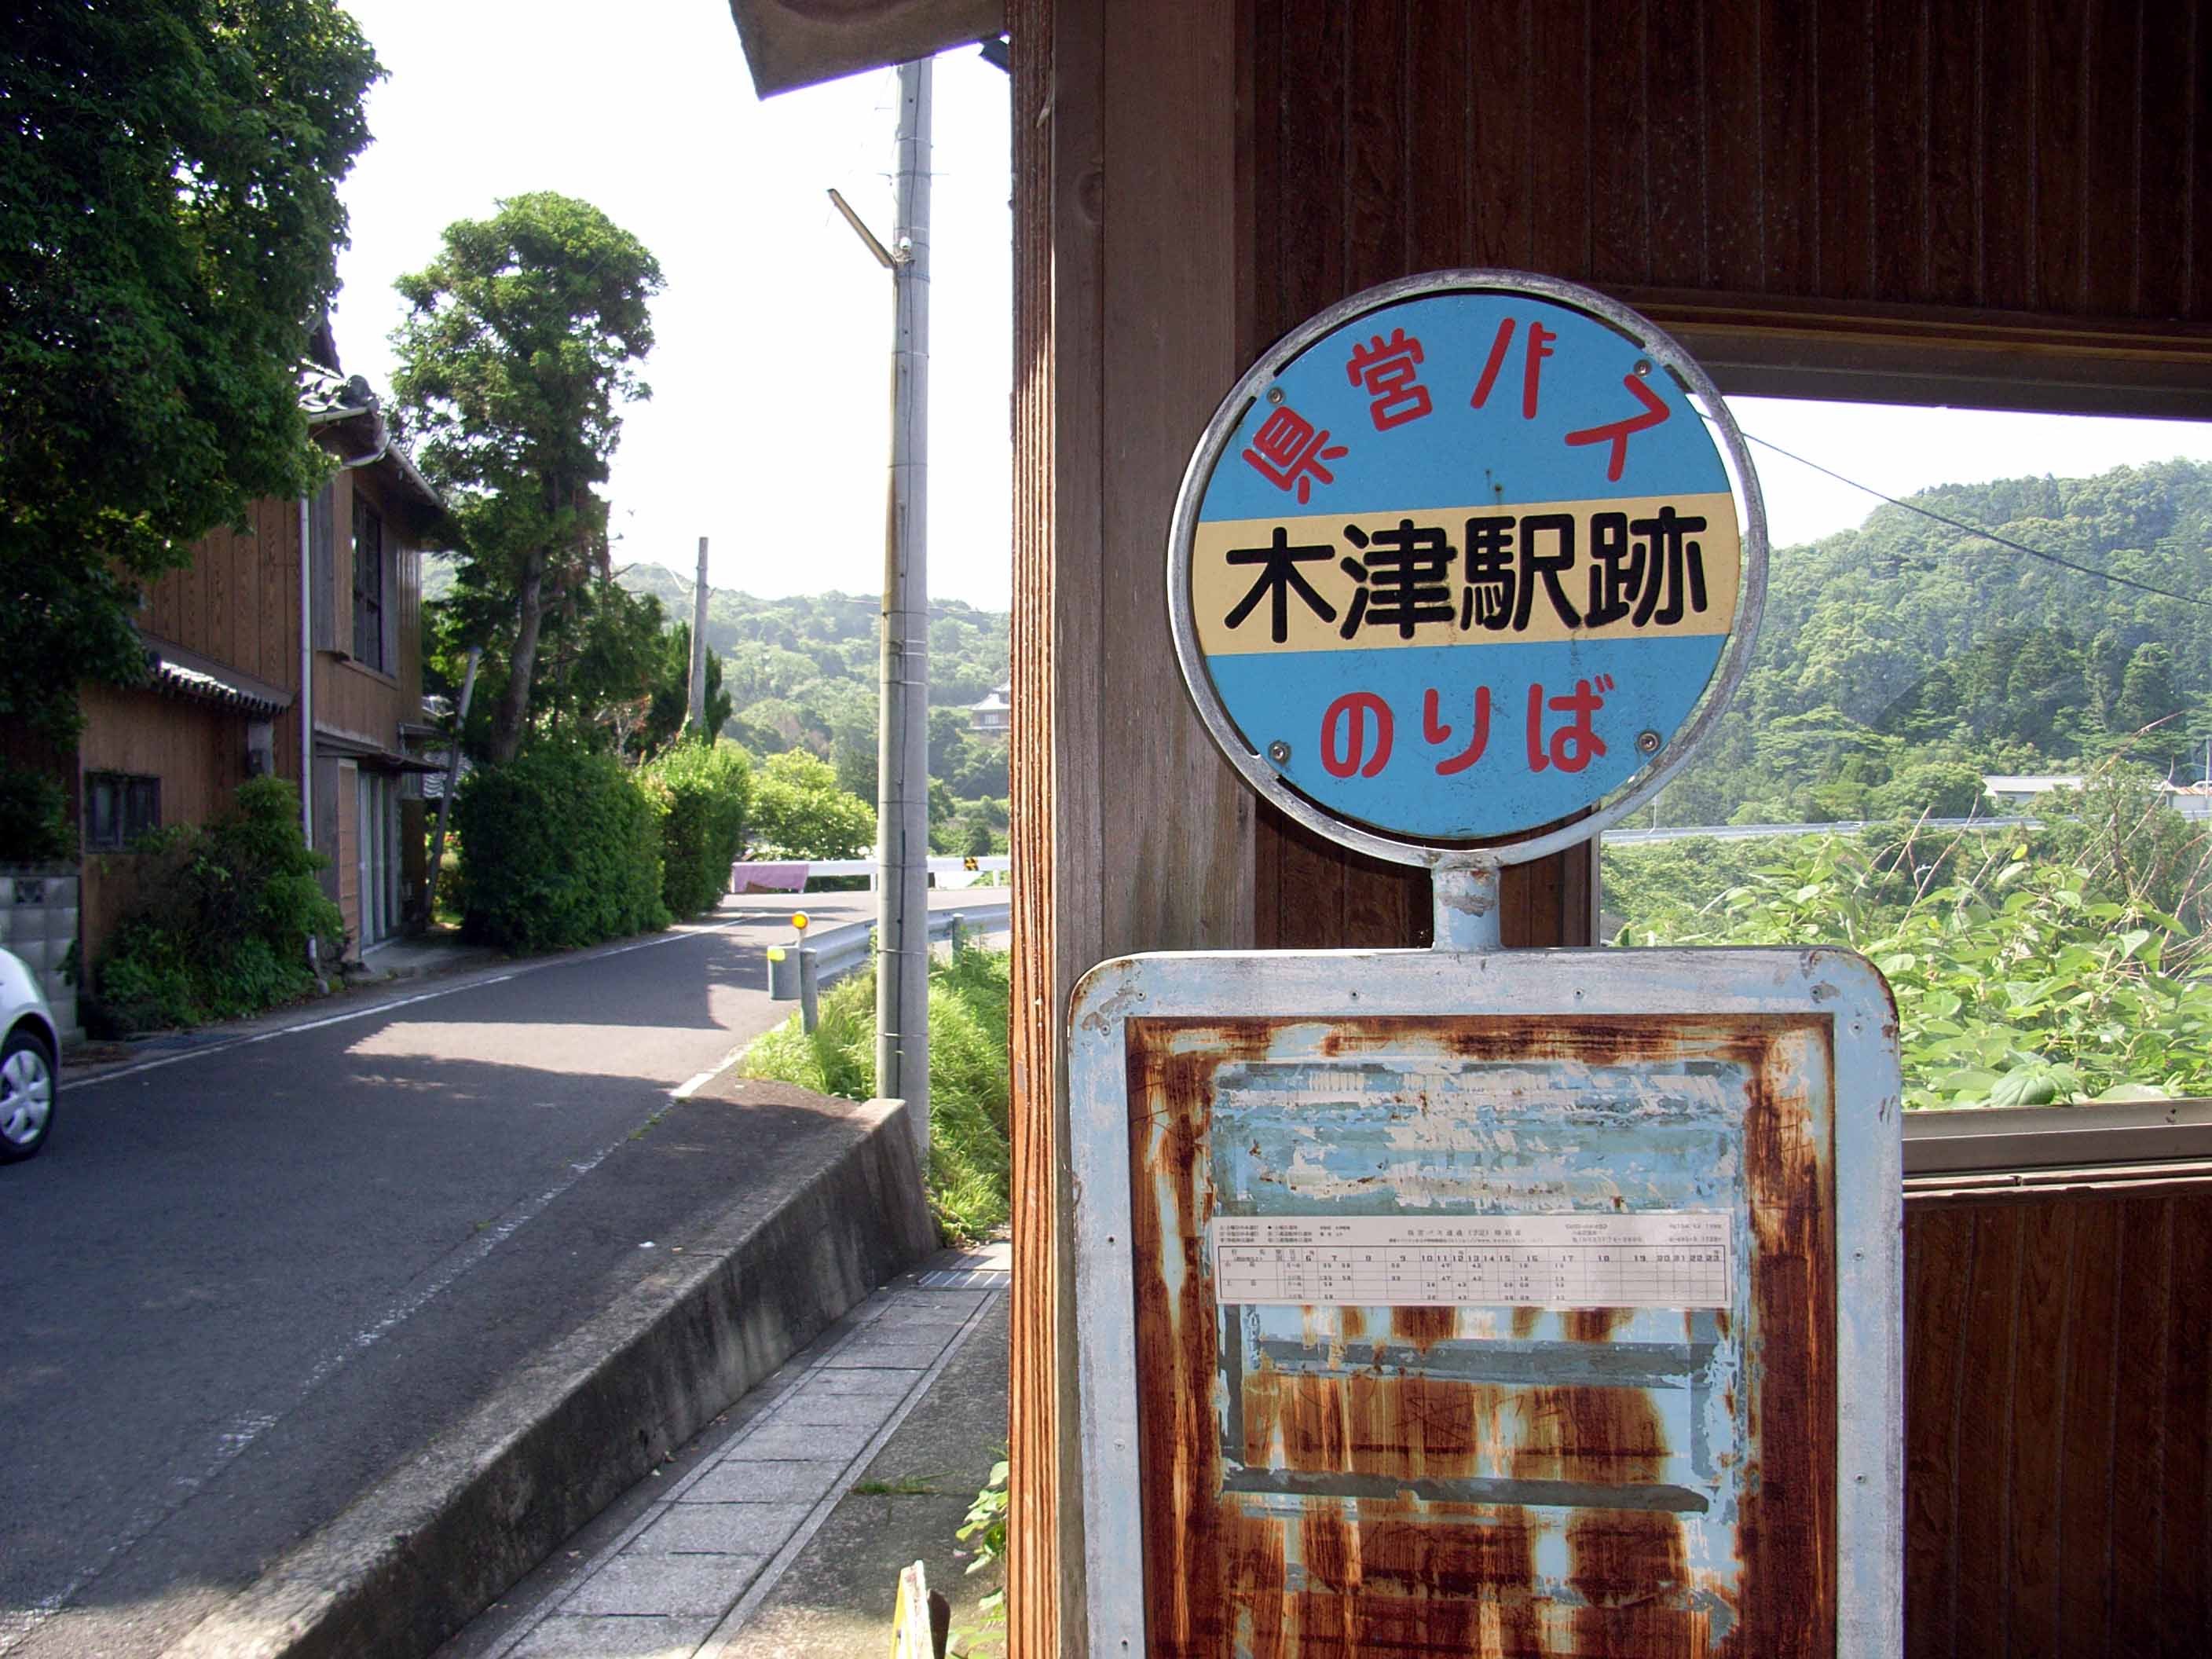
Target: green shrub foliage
[[34, 817], [222, 918], [704, 793], [563, 849], [2039, 965], [800, 811], [970, 1079]]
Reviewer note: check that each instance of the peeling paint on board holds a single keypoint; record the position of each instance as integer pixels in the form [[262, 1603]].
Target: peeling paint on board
[[1501, 1480]]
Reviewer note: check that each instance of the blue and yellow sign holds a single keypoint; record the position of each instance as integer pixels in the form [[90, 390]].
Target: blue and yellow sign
[[1462, 559]]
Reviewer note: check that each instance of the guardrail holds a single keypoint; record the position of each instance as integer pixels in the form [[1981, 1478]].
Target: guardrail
[[951, 873], [841, 950], [1845, 827]]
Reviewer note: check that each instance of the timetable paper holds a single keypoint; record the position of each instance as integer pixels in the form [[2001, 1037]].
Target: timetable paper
[[1652, 1259]]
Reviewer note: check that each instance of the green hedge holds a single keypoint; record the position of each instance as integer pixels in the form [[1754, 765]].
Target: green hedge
[[704, 793], [562, 849], [219, 925]]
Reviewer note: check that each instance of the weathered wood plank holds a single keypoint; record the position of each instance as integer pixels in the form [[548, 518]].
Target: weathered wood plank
[[1620, 79], [2139, 1426], [2061, 205], [2185, 1575], [2039, 1337], [1679, 101], [2172, 155], [1055, 111], [2084, 1427], [1560, 140], [1955, 137], [1438, 159], [1899, 149], [1982, 1588], [1845, 182], [1789, 69], [1501, 138], [2113, 226], [1375, 192], [2007, 92], [1734, 145], [1940, 1254]]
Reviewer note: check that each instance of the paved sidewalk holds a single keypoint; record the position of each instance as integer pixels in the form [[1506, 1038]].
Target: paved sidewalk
[[703, 1559]]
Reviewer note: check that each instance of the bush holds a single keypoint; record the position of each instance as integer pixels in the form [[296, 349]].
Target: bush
[[34, 817], [563, 849], [705, 792], [2020, 979], [970, 1079], [222, 918], [798, 812]]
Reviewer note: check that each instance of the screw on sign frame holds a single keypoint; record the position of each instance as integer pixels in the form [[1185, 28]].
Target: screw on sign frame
[[1471, 585]]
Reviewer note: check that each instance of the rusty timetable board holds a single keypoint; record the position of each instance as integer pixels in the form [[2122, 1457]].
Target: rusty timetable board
[[1512, 1305]]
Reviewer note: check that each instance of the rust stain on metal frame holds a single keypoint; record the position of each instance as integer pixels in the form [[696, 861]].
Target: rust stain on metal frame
[[1375, 1499]]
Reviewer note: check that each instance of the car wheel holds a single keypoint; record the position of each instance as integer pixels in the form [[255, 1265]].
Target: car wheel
[[27, 1095]]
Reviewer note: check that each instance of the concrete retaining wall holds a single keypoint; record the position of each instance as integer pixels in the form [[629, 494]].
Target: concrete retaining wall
[[442, 1536]]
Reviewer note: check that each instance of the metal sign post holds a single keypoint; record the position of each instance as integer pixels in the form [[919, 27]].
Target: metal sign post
[[1461, 1301]]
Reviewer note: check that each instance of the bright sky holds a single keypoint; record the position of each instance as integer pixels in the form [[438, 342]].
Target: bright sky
[[769, 430], [768, 427]]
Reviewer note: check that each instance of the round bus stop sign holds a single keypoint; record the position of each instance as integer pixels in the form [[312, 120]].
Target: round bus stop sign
[[1469, 560]]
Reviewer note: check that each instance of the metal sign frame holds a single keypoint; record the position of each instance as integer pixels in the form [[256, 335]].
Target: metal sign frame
[[1214, 444], [1833, 985]]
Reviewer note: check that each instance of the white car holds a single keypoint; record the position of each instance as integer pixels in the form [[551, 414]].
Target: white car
[[30, 1063]]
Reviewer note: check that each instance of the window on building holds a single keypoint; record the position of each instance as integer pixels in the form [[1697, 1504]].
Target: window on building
[[119, 808], [369, 586], [1974, 742]]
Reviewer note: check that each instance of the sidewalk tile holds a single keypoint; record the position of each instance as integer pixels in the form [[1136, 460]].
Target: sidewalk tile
[[933, 1305], [567, 1638], [888, 1355], [676, 1585], [838, 1411], [782, 1442], [865, 1381], [720, 1530], [763, 1483]]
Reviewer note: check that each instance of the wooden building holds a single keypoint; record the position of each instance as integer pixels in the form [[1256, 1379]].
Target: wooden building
[[325, 593], [1918, 201]]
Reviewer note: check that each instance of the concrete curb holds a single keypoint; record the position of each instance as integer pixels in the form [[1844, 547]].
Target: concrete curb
[[444, 1534]]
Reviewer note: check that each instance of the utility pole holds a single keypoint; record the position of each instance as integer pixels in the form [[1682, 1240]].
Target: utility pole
[[903, 734], [697, 710]]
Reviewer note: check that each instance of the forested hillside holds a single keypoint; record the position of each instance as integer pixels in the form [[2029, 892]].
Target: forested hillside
[[1897, 663], [1899, 660], [803, 672]]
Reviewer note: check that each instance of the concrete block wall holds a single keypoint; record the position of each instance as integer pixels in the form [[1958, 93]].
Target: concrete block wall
[[38, 923]]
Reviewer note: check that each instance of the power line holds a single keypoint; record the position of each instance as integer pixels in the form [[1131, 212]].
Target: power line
[[1986, 535]]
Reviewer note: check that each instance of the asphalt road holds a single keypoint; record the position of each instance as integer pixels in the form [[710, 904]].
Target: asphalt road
[[241, 1285]]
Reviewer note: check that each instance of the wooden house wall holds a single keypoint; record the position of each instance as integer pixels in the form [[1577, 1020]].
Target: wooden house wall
[[349, 695], [198, 752], [2059, 1412], [238, 603]]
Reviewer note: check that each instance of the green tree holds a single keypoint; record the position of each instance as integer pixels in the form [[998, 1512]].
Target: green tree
[[2148, 702], [1941, 789], [519, 349], [169, 229], [671, 690], [799, 811]]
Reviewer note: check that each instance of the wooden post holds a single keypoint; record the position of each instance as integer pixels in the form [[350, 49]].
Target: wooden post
[[1130, 833]]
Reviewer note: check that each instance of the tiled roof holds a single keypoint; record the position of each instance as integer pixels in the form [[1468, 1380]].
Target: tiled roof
[[180, 675]]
